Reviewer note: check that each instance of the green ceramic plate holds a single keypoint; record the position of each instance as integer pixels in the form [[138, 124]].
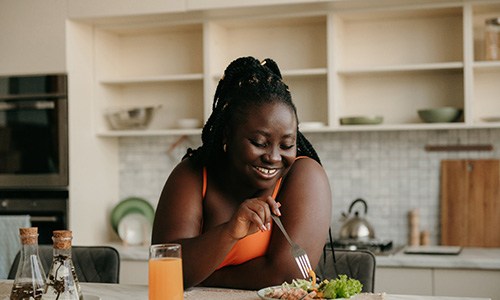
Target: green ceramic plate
[[131, 205]]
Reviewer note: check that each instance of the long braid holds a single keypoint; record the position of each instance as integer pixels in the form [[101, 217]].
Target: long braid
[[246, 82]]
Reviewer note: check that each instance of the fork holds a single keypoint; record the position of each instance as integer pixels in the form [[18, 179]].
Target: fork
[[298, 253]]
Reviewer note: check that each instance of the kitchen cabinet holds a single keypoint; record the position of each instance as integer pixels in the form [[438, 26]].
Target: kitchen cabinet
[[339, 61], [213, 4], [32, 44], [134, 272], [460, 283], [110, 8], [413, 281], [438, 282]]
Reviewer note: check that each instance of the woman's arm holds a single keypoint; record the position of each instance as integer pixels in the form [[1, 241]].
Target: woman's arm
[[305, 199], [179, 217]]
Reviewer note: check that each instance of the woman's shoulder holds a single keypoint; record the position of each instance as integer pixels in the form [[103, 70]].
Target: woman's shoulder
[[305, 163], [187, 170], [306, 170]]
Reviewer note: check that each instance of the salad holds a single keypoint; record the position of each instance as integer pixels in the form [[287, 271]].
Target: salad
[[341, 287]]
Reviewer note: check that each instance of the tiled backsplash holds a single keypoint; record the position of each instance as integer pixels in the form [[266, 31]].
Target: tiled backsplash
[[390, 170]]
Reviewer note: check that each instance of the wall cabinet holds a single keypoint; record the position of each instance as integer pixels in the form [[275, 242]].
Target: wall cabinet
[[339, 61], [112, 8]]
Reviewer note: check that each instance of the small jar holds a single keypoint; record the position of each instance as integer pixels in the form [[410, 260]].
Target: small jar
[[492, 39]]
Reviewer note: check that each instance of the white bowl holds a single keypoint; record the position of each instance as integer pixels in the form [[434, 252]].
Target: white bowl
[[188, 123], [311, 125]]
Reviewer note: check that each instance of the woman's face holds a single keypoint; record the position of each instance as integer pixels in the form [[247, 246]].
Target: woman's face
[[262, 147]]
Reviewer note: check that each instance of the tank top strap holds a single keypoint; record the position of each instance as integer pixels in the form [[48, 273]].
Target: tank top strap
[[277, 188]]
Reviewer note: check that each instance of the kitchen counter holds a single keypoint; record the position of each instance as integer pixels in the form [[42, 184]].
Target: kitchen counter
[[468, 258]]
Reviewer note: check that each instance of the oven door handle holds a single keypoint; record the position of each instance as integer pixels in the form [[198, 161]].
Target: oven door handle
[[27, 105], [51, 219]]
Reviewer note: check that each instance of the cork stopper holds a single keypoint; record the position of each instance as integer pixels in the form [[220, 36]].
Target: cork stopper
[[62, 239], [29, 235]]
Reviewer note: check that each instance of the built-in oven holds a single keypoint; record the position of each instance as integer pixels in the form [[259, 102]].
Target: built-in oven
[[47, 209], [33, 131]]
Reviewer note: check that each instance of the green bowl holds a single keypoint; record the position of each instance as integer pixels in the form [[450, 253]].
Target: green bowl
[[361, 120], [440, 115]]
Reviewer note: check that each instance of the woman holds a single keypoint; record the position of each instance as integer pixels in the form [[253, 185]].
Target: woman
[[217, 202]]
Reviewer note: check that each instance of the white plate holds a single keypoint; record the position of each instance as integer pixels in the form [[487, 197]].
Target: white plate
[[91, 297], [134, 229]]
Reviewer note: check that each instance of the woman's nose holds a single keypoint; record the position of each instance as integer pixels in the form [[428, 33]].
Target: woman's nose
[[273, 154]]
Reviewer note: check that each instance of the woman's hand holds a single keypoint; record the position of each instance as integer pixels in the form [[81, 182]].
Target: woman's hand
[[253, 215]]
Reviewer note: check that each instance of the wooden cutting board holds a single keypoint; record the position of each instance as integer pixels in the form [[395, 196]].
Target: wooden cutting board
[[470, 203]]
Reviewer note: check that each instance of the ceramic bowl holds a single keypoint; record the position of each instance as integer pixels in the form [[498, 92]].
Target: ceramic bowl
[[440, 115], [130, 118], [361, 120]]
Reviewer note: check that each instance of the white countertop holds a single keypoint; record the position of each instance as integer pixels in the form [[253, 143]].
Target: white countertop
[[469, 258]]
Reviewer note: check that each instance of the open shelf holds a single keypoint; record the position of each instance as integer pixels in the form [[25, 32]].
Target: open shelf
[[349, 60]]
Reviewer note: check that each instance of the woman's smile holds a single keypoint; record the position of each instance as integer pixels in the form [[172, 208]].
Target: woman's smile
[[267, 173]]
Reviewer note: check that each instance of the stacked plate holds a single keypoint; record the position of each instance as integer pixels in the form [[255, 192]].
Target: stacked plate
[[132, 219]]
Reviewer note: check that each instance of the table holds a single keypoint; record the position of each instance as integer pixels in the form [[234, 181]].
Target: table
[[140, 292]]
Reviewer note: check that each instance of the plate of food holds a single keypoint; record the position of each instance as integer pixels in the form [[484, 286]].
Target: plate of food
[[342, 287]]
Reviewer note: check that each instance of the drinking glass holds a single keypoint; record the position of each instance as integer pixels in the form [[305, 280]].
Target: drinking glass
[[165, 272]]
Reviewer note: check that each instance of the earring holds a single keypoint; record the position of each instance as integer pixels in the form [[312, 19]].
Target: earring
[[224, 147]]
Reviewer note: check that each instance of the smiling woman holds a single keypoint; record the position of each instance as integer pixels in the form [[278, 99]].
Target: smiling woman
[[217, 203]]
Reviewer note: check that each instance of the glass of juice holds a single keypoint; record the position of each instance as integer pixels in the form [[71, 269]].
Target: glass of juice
[[165, 272]]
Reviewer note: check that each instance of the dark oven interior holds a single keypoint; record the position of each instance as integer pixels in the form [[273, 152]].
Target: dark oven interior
[[48, 210]]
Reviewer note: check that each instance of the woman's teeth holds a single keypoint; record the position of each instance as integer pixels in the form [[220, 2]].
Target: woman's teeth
[[267, 171]]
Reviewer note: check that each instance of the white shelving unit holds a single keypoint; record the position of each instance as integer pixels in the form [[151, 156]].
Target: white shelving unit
[[152, 64], [485, 89], [337, 60]]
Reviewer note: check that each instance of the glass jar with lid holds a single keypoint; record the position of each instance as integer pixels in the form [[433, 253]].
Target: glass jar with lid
[[492, 39]]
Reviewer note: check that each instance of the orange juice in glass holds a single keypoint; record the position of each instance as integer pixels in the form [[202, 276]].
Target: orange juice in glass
[[165, 272]]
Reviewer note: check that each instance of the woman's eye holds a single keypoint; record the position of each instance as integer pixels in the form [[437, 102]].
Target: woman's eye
[[258, 144], [287, 147]]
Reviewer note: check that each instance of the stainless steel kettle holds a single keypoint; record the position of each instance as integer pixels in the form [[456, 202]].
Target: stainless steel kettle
[[356, 227]]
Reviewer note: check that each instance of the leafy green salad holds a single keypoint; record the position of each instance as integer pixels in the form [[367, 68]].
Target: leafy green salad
[[341, 287]]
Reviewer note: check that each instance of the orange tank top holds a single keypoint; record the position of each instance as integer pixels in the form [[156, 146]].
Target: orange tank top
[[249, 247]]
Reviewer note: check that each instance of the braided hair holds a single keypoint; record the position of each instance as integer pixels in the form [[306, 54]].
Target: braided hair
[[246, 82]]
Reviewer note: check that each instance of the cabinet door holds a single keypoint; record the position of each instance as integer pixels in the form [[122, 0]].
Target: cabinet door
[[467, 283], [133, 272], [204, 4], [98, 8], [411, 281], [32, 37]]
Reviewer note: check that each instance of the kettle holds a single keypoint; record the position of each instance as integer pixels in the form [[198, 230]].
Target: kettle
[[356, 227]]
